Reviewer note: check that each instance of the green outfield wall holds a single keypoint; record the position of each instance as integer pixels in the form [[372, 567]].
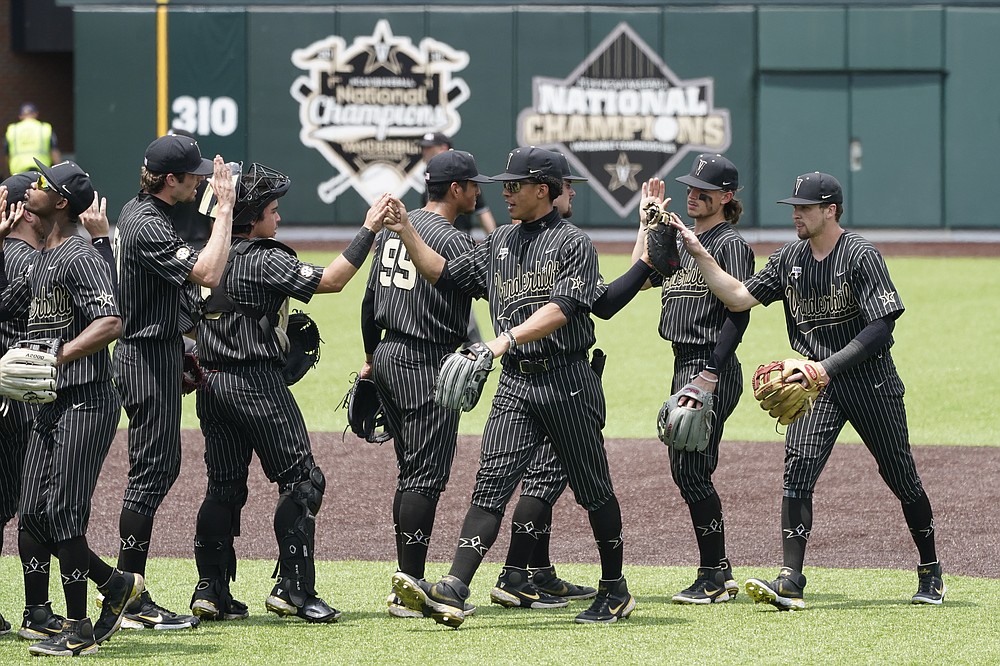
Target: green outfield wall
[[898, 101]]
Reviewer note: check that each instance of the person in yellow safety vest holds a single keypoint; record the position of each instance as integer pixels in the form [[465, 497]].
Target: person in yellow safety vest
[[30, 138]]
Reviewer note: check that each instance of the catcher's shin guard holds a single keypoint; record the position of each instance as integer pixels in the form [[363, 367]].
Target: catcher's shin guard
[[295, 530]]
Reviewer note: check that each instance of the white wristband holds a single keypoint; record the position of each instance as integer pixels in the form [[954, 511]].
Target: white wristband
[[510, 338], [702, 377]]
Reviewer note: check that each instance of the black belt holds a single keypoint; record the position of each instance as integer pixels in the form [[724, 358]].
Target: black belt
[[241, 365], [535, 366]]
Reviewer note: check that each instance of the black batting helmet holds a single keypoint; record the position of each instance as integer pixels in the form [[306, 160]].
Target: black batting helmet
[[255, 189]]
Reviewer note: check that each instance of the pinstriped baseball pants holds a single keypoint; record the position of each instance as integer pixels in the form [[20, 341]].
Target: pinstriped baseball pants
[[870, 397], [71, 439], [148, 375], [692, 470], [424, 433], [565, 406]]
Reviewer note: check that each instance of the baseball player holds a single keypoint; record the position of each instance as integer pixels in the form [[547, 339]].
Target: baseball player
[[704, 336], [840, 309], [154, 265], [543, 483], [68, 294], [435, 143], [245, 406], [421, 325], [541, 278], [19, 248]]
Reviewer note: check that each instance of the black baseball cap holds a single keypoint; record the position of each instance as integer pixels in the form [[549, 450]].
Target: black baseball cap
[[70, 182], [17, 185], [711, 171], [532, 162], [435, 139], [566, 173], [815, 188], [176, 154], [453, 166]]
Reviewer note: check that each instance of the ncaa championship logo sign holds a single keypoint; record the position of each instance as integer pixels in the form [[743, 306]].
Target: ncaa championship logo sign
[[622, 116], [365, 105]]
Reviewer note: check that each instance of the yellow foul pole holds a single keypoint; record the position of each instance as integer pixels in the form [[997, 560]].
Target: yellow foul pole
[[162, 70]]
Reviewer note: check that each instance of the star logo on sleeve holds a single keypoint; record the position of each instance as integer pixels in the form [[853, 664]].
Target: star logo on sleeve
[[417, 537], [183, 252], [306, 271], [105, 300], [576, 283], [474, 543], [887, 297]]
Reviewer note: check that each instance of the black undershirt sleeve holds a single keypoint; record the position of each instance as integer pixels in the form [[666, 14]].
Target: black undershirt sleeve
[[103, 246], [730, 337], [371, 334], [865, 344], [622, 290]]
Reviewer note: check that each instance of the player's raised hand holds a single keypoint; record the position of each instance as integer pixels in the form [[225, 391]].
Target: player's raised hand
[[691, 242], [9, 219], [95, 218], [654, 191], [222, 183], [396, 217], [377, 212]]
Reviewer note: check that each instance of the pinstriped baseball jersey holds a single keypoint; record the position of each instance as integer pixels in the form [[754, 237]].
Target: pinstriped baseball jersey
[[691, 314], [18, 256], [15, 424], [263, 279], [407, 304], [245, 405], [827, 302], [153, 264], [67, 288], [520, 267]]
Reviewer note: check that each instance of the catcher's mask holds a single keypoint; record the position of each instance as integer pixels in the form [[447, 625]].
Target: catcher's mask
[[255, 189]]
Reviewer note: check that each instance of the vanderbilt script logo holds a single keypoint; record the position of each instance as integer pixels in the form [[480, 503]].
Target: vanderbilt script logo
[[364, 106]]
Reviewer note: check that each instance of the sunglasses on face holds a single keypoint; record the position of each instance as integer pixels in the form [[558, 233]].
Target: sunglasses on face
[[45, 185], [514, 186]]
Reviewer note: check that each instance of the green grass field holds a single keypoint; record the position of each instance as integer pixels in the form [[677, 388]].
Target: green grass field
[[943, 352], [851, 617]]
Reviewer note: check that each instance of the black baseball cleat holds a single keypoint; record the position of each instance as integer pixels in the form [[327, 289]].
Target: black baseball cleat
[[784, 593], [708, 588], [144, 613], [443, 601], [613, 602], [732, 587], [40, 622], [123, 589], [546, 580], [75, 639], [398, 609], [311, 609], [4, 626], [514, 589], [931, 587], [213, 601]]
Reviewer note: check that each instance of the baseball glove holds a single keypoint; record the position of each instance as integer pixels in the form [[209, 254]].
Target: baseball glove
[[28, 370], [303, 346], [192, 375], [364, 411], [661, 239], [784, 400], [463, 375], [687, 428]]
